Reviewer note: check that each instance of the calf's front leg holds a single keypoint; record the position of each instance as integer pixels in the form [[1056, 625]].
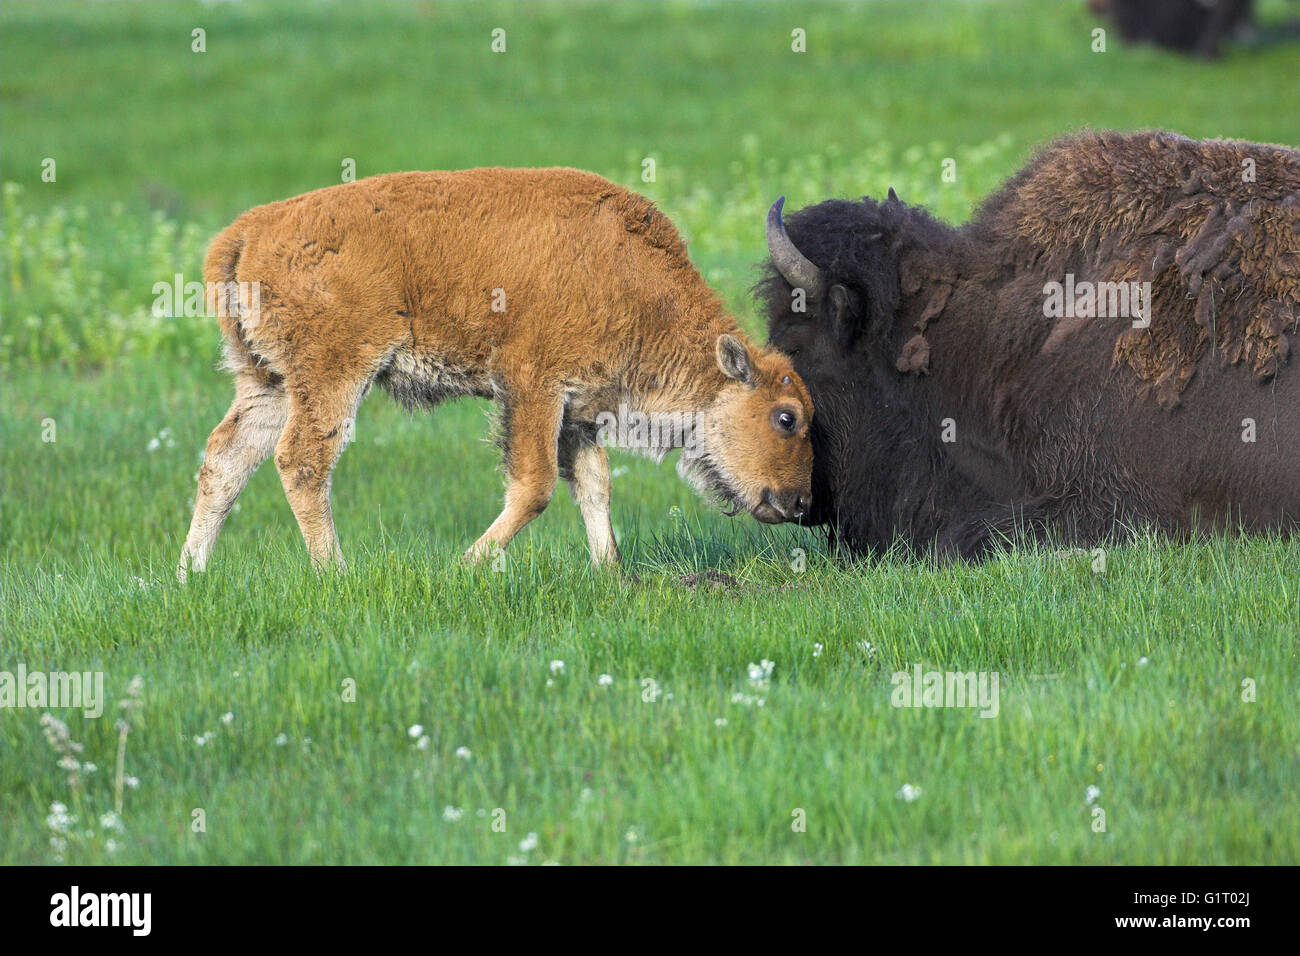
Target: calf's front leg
[[532, 422], [586, 466]]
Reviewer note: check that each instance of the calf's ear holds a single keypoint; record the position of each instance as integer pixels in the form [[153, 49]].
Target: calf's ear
[[733, 359]]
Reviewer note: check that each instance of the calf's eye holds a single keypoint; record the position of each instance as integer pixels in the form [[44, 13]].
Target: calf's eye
[[784, 420]]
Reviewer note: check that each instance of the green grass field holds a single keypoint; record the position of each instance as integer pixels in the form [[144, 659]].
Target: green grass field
[[282, 705]]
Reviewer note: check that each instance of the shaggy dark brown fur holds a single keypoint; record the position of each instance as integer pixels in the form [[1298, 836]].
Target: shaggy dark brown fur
[[1193, 26], [1074, 426], [1213, 225]]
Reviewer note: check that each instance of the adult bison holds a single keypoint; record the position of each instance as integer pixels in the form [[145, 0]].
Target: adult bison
[[1193, 26], [969, 391]]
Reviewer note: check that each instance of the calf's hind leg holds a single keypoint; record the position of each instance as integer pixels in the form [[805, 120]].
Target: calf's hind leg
[[532, 425], [321, 420], [244, 439]]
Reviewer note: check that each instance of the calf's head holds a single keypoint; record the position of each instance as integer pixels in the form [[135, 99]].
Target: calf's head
[[752, 448]]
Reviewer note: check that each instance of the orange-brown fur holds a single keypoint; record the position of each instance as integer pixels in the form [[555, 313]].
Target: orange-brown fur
[[393, 280]]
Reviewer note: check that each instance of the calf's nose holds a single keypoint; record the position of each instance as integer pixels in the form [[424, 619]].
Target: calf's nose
[[791, 503]]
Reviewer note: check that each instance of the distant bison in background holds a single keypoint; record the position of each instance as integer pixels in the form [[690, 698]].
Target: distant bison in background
[[564, 297], [1192, 26], [975, 384]]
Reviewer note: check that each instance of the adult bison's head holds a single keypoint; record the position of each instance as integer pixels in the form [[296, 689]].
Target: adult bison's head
[[832, 293]]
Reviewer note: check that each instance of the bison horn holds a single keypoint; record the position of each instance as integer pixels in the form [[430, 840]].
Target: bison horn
[[793, 265]]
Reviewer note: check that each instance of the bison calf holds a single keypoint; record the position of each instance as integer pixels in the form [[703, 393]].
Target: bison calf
[[562, 296]]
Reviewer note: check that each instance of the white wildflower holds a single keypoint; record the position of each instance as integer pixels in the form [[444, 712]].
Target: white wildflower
[[909, 793], [761, 672], [59, 820]]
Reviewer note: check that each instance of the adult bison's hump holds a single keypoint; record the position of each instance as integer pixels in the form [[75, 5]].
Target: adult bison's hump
[[1212, 226]]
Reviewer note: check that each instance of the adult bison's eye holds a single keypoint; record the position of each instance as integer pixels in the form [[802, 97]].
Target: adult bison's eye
[[784, 420]]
